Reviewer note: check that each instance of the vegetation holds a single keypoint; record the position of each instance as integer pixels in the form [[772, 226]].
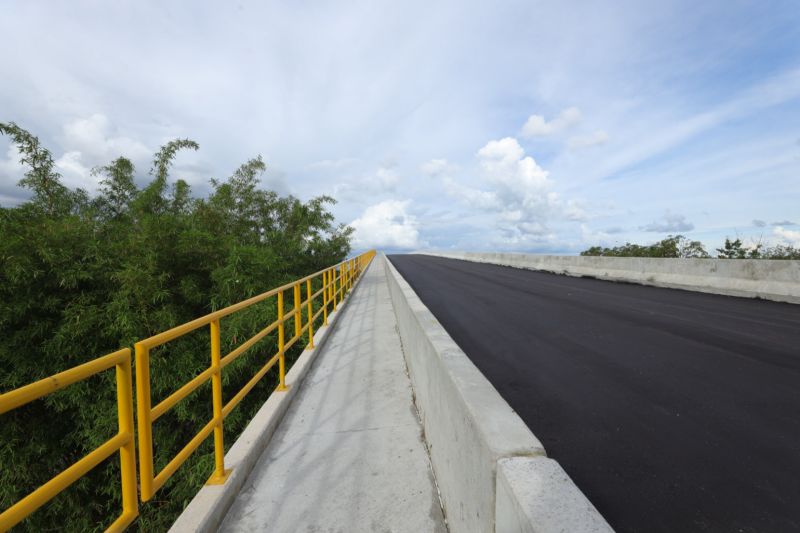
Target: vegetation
[[672, 246], [682, 247], [82, 276]]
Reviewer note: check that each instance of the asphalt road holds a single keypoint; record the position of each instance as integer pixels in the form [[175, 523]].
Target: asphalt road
[[672, 410]]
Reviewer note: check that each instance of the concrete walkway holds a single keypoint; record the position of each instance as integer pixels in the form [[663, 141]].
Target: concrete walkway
[[349, 454]]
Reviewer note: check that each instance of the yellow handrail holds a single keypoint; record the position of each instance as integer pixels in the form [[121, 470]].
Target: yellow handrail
[[336, 282], [122, 441]]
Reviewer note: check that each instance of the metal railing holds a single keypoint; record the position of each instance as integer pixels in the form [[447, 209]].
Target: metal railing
[[122, 441], [334, 282]]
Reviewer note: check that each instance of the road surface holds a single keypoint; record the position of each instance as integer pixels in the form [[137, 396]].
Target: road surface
[[672, 410]]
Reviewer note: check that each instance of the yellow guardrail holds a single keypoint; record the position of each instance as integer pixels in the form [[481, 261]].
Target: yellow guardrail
[[122, 441], [334, 283]]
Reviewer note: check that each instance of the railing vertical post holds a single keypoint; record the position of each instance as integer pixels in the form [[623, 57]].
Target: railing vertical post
[[127, 453], [281, 343], [144, 420], [310, 307], [325, 297], [333, 287], [219, 475], [298, 314]]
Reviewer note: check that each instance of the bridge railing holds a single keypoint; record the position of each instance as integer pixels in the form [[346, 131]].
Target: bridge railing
[[334, 283], [123, 441]]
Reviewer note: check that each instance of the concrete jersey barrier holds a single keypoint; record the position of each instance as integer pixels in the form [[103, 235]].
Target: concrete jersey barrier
[[491, 470], [777, 280]]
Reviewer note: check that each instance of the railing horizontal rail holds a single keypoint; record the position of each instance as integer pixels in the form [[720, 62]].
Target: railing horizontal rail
[[123, 441], [334, 284]]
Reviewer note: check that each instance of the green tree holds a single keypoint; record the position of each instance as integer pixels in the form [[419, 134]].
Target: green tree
[[675, 246], [81, 277], [736, 250]]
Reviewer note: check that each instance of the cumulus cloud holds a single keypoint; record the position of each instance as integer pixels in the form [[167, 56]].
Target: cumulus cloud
[[759, 223], [537, 126], [99, 142], [517, 191], [597, 138], [86, 143], [787, 236], [669, 223], [386, 225]]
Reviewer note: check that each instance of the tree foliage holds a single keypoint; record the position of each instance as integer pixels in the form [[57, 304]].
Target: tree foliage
[[682, 247], [81, 277], [672, 246]]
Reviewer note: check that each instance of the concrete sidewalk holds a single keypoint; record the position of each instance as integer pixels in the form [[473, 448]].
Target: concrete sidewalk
[[349, 454]]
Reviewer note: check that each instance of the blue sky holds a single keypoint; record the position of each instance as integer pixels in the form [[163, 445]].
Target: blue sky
[[530, 126]]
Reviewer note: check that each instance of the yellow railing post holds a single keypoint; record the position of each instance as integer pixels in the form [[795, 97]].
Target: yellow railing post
[[281, 356], [325, 297], [298, 315], [144, 421], [220, 474], [310, 307], [127, 453], [333, 287]]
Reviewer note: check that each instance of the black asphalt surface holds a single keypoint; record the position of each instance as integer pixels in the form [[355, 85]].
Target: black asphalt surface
[[672, 410]]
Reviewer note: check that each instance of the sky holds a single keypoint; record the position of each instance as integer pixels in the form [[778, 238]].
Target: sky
[[536, 126]]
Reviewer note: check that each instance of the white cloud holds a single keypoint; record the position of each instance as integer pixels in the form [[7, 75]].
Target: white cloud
[[384, 180], [517, 192], [436, 167], [386, 225], [99, 142], [537, 126], [787, 236], [93, 141], [10, 166], [670, 222], [597, 138]]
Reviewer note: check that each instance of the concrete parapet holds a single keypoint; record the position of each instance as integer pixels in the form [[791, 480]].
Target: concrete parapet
[[777, 280], [535, 495], [469, 427]]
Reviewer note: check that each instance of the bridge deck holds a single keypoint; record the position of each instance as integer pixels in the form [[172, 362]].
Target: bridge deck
[[349, 454], [671, 410]]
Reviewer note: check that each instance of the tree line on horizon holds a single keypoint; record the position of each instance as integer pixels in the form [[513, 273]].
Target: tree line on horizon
[[680, 246], [83, 275]]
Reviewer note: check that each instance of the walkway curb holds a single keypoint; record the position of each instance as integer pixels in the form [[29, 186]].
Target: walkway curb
[[208, 508]]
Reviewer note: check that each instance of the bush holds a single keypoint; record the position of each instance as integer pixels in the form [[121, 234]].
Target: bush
[[82, 276]]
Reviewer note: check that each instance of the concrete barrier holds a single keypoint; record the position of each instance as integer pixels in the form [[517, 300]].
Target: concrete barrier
[[472, 432], [208, 508], [752, 278]]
